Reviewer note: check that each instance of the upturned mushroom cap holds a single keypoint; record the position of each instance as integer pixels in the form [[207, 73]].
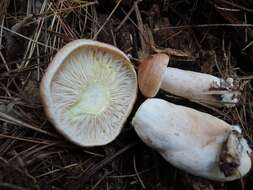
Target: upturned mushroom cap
[[88, 91], [150, 74], [193, 141]]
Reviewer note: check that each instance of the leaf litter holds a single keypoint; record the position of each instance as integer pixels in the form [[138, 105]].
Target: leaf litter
[[209, 36]]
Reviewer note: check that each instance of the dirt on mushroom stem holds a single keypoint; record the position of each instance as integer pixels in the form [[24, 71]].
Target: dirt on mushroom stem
[[31, 159]]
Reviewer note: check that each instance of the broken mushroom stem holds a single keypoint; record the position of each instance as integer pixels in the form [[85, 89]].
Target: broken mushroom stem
[[193, 141], [198, 87], [251, 157]]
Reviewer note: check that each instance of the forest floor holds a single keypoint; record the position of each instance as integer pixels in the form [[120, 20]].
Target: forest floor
[[210, 36]]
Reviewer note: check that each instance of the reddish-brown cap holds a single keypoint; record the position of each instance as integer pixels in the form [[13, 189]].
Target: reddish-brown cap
[[150, 74]]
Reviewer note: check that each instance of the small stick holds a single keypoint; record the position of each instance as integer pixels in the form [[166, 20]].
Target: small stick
[[127, 16], [23, 139], [137, 174], [107, 19], [18, 122]]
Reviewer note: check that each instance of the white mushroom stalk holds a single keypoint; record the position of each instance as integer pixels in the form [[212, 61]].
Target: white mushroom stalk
[[153, 74], [88, 91], [193, 141]]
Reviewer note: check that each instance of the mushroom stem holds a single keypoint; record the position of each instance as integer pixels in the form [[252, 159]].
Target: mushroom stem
[[153, 74], [193, 141], [251, 158], [200, 87]]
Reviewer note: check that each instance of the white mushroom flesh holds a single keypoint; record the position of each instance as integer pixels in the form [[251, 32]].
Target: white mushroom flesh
[[200, 87], [189, 139]]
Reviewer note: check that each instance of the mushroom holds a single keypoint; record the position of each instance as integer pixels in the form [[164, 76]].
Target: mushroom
[[193, 141], [88, 91], [154, 74]]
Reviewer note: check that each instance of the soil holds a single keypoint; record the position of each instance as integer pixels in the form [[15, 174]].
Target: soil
[[210, 36]]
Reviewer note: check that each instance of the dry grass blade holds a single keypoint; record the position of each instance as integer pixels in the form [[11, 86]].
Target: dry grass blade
[[4, 5], [237, 6], [143, 34], [175, 53], [127, 16], [203, 26], [27, 38], [137, 173], [4, 61], [99, 181], [131, 175], [103, 163], [11, 186], [107, 19], [58, 170], [18, 122], [23, 139]]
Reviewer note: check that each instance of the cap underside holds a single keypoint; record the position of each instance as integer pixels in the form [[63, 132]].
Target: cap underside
[[92, 92]]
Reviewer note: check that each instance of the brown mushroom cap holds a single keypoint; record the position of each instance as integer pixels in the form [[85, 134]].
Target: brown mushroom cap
[[150, 74]]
